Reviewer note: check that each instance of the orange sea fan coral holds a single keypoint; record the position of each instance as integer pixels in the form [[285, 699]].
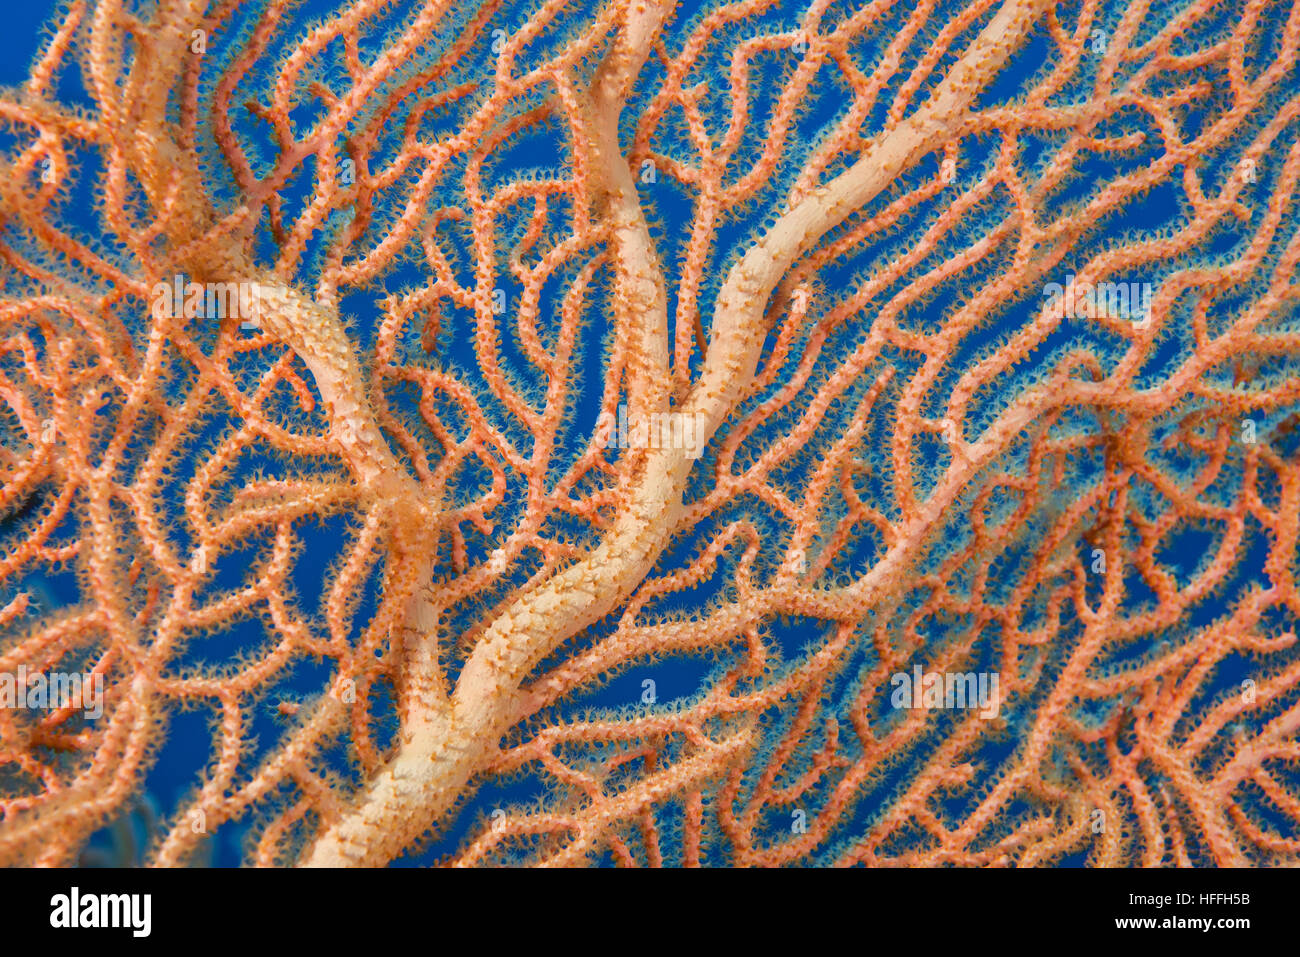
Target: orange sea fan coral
[[418, 391]]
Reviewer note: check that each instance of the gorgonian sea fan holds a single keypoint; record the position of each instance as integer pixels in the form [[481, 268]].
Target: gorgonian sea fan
[[561, 433]]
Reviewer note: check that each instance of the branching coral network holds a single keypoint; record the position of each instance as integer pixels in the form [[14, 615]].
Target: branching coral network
[[898, 399]]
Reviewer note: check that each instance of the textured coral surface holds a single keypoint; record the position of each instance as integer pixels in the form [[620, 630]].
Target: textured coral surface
[[835, 432]]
